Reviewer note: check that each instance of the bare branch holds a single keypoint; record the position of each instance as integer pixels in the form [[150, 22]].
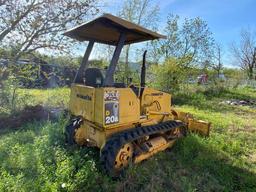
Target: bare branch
[[192, 40], [245, 51], [40, 23]]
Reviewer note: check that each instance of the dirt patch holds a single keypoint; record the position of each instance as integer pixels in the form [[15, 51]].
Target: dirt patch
[[247, 128], [252, 157], [28, 114]]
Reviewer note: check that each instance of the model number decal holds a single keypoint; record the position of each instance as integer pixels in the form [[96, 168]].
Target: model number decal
[[111, 119], [111, 112], [85, 97]]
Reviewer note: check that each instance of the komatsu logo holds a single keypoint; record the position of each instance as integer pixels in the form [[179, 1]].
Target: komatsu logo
[[85, 97], [157, 94]]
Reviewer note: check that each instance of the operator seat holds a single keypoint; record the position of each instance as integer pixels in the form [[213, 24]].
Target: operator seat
[[93, 77]]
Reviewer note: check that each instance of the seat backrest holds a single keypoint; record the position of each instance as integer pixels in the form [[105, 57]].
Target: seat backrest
[[93, 77]]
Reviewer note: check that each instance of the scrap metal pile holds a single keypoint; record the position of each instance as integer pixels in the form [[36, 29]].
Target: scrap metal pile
[[247, 102]]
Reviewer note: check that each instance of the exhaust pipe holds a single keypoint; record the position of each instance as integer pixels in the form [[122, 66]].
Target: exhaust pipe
[[143, 71]]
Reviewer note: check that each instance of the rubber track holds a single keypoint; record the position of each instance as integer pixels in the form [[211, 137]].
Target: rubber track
[[115, 142]]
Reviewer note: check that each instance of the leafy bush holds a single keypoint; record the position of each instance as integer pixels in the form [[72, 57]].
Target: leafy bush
[[10, 100], [168, 76]]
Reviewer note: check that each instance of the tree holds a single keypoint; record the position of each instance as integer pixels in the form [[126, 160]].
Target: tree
[[169, 75], [154, 54], [191, 40], [12, 12], [141, 12], [171, 47], [30, 25], [217, 63], [245, 52]]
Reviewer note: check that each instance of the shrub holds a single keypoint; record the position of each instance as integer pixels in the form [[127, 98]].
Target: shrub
[[169, 75]]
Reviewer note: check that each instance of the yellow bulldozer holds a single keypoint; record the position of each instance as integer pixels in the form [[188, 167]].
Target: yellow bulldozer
[[127, 123]]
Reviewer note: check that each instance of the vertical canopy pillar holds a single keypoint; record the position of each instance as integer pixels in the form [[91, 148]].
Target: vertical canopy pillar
[[109, 80], [84, 64]]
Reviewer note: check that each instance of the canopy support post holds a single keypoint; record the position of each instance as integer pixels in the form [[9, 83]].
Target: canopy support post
[[84, 64], [109, 80]]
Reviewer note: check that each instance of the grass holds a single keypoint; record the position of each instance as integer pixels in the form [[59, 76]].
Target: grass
[[57, 97], [35, 157]]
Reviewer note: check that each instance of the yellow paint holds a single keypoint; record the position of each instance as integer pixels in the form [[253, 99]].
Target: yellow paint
[[79, 106], [153, 107], [89, 103], [155, 104], [199, 126], [160, 147]]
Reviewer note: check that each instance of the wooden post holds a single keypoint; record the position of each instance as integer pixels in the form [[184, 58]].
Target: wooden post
[[109, 80], [84, 64]]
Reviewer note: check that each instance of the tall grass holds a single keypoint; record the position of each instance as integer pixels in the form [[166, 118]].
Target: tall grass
[[57, 97], [35, 157]]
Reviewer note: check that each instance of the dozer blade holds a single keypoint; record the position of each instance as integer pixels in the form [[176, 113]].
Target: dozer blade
[[193, 125], [199, 126]]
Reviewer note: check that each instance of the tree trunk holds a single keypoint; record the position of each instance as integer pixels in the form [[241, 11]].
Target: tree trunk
[[250, 73], [254, 63], [218, 69]]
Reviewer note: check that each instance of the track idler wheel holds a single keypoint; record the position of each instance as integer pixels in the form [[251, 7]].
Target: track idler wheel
[[115, 159], [124, 157]]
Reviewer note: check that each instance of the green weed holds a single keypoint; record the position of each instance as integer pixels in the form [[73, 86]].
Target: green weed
[[35, 157]]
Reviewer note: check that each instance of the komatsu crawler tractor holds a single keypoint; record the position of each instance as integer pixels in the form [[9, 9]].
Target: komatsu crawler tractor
[[127, 123]]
